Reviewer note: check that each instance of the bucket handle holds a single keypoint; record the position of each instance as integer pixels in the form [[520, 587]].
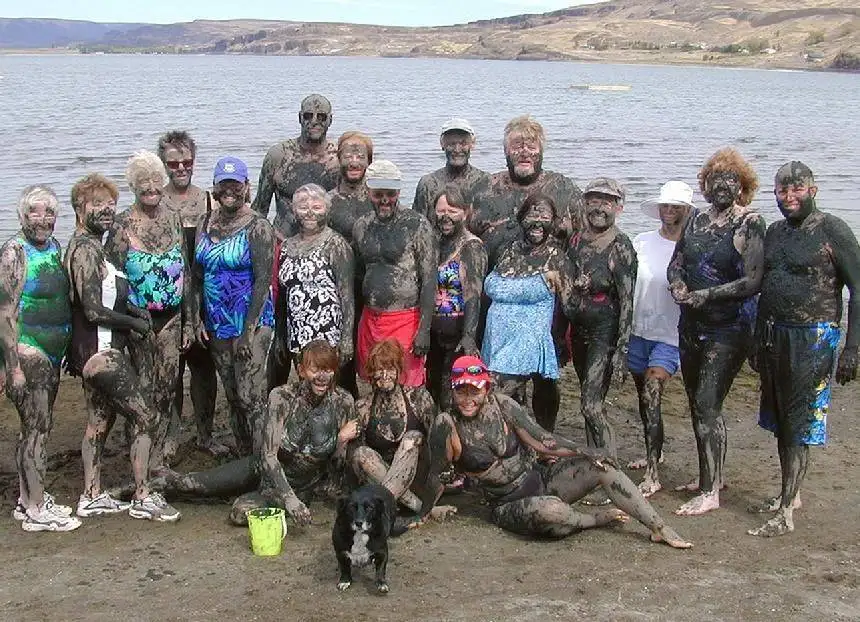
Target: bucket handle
[[284, 525]]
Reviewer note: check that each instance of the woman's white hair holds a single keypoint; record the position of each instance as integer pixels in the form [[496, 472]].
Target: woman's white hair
[[309, 192], [144, 165], [31, 195]]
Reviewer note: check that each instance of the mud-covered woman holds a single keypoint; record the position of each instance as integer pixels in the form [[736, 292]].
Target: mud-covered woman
[[714, 274], [305, 434], [494, 440], [35, 325], [232, 286], [459, 284], [527, 286], [147, 244], [315, 270], [395, 419], [601, 318], [114, 383]]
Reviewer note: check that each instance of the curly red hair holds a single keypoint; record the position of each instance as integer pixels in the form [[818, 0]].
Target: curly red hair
[[387, 353], [730, 160]]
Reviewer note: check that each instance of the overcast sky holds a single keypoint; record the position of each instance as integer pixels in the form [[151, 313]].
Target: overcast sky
[[388, 12]]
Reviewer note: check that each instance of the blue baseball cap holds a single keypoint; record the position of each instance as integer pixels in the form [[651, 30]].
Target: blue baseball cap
[[229, 167]]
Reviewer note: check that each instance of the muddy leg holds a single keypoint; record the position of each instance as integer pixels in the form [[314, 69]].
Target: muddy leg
[[99, 423], [793, 462], [549, 516], [251, 386], [249, 501], [223, 355], [649, 388], [369, 466], [592, 360], [546, 399], [204, 391]]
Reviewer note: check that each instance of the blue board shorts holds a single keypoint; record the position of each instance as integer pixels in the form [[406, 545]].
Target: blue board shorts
[[644, 353]]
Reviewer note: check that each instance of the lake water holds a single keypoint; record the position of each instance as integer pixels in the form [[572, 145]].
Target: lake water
[[70, 115]]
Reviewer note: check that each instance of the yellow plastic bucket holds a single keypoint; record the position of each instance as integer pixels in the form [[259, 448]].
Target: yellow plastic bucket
[[267, 528]]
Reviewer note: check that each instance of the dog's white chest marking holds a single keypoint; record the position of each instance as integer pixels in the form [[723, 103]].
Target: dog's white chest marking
[[358, 554]]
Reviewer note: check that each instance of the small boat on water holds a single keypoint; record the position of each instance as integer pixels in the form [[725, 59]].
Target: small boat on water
[[600, 87]]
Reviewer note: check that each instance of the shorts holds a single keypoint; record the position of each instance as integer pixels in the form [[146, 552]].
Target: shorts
[[644, 353], [796, 364]]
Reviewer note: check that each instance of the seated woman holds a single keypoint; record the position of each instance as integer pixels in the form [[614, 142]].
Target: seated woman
[[493, 439], [306, 429], [395, 420]]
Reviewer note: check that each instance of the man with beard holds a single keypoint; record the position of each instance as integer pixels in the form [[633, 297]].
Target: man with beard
[[808, 258], [457, 141], [397, 250], [178, 151], [494, 210], [349, 200], [308, 159]]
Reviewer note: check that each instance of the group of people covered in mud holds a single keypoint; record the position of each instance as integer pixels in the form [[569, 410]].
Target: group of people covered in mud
[[457, 314]]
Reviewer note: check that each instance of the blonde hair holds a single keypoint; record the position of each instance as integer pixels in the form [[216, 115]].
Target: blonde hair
[[31, 195], [144, 164], [529, 127]]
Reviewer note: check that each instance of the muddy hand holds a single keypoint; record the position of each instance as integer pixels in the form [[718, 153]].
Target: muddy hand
[[846, 370]]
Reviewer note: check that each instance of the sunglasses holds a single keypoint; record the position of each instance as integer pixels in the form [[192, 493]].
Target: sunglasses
[[472, 370], [174, 165], [309, 116]]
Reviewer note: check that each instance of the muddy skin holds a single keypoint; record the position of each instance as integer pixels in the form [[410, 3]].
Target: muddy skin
[[493, 218], [30, 378], [808, 258], [155, 230], [240, 360], [604, 271], [396, 250], [290, 164], [395, 421], [532, 499], [471, 181], [649, 388], [452, 331], [191, 203], [349, 200], [112, 382], [714, 272], [539, 253]]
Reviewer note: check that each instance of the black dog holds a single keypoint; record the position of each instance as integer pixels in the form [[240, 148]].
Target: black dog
[[365, 519]]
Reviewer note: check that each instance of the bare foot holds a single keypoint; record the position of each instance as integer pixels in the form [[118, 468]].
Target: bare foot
[[643, 462], [649, 486], [614, 515], [694, 487], [213, 448], [696, 506], [442, 512], [772, 505], [667, 535], [779, 525]]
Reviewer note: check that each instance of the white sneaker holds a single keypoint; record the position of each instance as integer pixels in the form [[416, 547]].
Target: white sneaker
[[154, 507], [20, 512], [45, 518], [100, 504]]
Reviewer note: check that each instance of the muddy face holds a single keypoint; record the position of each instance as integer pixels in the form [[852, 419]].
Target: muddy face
[[311, 214], [457, 146], [180, 166], [315, 118], [450, 219], [319, 380], [722, 189], [148, 190], [386, 379], [230, 194], [795, 199], [601, 210], [469, 399], [38, 223], [524, 156], [384, 202], [353, 161], [98, 213], [672, 214], [537, 223]]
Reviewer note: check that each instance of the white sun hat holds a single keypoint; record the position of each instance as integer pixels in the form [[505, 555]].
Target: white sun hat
[[673, 193]]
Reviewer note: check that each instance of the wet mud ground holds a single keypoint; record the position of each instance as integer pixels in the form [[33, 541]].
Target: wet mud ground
[[466, 569]]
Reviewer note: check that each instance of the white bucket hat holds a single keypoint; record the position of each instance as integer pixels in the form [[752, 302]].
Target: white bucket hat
[[673, 193]]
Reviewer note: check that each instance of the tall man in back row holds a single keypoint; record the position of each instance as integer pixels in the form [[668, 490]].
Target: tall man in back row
[[289, 165], [457, 141], [808, 258], [396, 248]]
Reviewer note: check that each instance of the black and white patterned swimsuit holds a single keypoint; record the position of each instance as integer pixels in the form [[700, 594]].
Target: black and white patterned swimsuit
[[313, 301]]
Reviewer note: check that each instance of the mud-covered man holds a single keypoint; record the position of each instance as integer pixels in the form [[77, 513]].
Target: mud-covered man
[[493, 216], [457, 141], [809, 256], [308, 159], [397, 250]]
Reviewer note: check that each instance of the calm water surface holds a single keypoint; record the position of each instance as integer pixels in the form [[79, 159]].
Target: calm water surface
[[66, 116]]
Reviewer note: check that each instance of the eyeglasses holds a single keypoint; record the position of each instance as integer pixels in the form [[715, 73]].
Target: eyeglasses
[[41, 217], [320, 116], [390, 194], [472, 370], [174, 165]]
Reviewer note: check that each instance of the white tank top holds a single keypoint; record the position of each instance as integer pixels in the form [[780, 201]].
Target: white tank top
[[655, 313], [108, 301]]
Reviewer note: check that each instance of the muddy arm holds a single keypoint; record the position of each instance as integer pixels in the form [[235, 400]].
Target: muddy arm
[[342, 261], [425, 253], [265, 186], [13, 267], [281, 403], [749, 241], [624, 265], [261, 239], [473, 269]]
